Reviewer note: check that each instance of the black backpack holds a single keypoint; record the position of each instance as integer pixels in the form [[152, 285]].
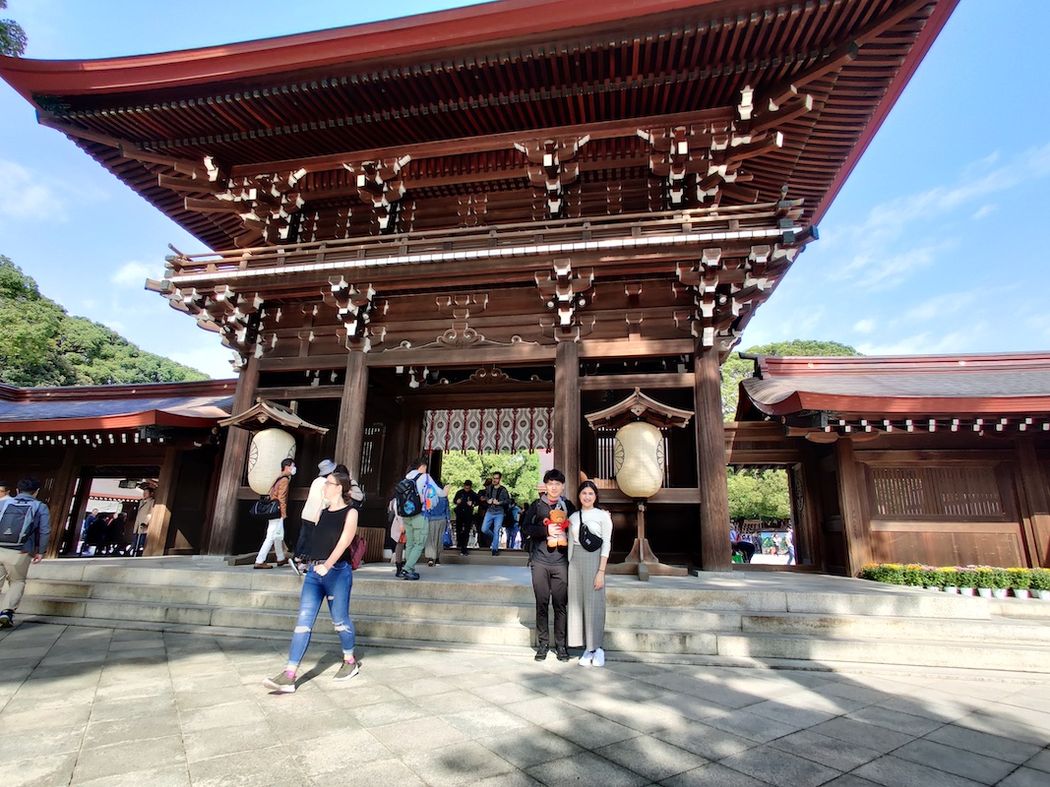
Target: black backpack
[[406, 498], [16, 521]]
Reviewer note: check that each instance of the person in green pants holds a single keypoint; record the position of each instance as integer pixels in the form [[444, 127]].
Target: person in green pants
[[416, 526]]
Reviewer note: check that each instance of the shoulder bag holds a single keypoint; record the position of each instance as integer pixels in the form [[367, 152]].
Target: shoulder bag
[[589, 540]]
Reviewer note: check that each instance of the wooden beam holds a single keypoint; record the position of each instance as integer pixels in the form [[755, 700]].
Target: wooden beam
[[603, 382], [224, 518], [301, 392], [567, 415], [715, 552], [854, 523], [612, 129], [351, 429], [465, 356], [160, 519], [1035, 502], [633, 348]]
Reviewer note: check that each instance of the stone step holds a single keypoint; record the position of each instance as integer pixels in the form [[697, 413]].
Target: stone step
[[927, 653]]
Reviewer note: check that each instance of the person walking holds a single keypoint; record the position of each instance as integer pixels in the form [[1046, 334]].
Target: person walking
[[497, 498], [397, 535], [275, 527], [328, 576], [437, 523], [142, 518], [25, 526], [311, 509], [416, 526], [465, 501], [549, 562], [587, 561]]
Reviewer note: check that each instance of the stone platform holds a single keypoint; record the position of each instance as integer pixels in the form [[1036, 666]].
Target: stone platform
[[744, 619]]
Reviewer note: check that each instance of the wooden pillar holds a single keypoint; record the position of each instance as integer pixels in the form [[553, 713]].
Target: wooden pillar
[[160, 519], [352, 413], [567, 414], [224, 517], [1035, 500], [715, 552], [60, 499], [851, 497]]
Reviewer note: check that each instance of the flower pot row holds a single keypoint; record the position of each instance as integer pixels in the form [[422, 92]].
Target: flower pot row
[[986, 581]]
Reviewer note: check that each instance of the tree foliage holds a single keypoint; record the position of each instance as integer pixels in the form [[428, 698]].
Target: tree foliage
[[736, 368], [521, 472], [12, 36], [45, 346], [758, 494]]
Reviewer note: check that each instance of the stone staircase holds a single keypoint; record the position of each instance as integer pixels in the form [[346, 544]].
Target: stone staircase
[[772, 619]]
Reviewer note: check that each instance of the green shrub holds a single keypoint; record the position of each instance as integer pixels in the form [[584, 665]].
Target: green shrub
[[932, 577], [985, 577], [912, 575], [890, 573], [949, 577], [1000, 579], [1040, 579], [967, 577], [1019, 578]]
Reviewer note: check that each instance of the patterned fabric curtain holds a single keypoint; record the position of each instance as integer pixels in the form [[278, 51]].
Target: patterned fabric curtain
[[499, 430]]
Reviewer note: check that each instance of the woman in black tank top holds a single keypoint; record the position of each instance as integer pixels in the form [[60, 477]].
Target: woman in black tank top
[[328, 575]]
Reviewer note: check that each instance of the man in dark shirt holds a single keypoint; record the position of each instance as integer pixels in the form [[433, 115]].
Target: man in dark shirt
[[464, 502], [498, 499], [550, 566]]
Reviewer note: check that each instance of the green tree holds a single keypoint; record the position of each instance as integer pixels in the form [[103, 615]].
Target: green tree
[[758, 494], [736, 368], [521, 472], [44, 346], [12, 36]]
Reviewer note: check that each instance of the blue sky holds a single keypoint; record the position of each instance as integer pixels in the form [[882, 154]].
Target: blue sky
[[932, 246]]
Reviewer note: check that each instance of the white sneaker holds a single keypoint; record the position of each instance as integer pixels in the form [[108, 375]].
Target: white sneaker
[[599, 658], [585, 659]]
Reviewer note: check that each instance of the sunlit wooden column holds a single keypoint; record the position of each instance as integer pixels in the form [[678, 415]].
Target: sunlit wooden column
[[1036, 502], [351, 430], [224, 517], [567, 414], [851, 506], [160, 519], [715, 552], [60, 499]]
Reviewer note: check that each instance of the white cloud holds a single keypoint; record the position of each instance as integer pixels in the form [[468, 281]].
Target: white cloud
[[131, 274], [942, 305], [886, 269], [926, 344], [984, 211], [32, 200], [865, 326], [116, 325]]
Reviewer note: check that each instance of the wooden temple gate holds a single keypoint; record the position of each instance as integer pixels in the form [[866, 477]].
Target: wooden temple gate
[[595, 195]]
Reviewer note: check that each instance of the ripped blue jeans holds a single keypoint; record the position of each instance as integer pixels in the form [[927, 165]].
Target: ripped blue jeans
[[335, 587]]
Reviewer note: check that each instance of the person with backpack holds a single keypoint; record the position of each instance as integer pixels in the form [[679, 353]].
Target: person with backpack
[[329, 575], [416, 494], [25, 526], [549, 561], [275, 527]]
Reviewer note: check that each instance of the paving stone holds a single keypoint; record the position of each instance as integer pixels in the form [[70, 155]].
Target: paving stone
[[530, 746], [506, 693], [779, 767], [712, 775], [110, 710], [382, 713], [463, 763], [174, 776], [895, 772], [266, 767], [339, 752], [419, 734], [43, 771], [832, 752], [753, 726], [651, 757], [1025, 777], [861, 733], [544, 710], [985, 743], [220, 716], [130, 757], [1040, 762], [587, 768], [230, 740], [789, 714], [987, 770], [906, 723], [850, 780], [708, 742], [590, 731], [481, 723]]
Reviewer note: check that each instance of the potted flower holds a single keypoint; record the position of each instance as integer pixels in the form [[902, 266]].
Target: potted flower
[[932, 578], [1020, 579], [912, 575], [967, 580], [1040, 583], [1000, 583], [950, 579], [985, 580]]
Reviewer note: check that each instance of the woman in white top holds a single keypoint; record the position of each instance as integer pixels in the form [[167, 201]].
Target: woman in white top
[[587, 577]]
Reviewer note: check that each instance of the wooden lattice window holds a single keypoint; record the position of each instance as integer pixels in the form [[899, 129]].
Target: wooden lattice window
[[372, 458], [936, 492]]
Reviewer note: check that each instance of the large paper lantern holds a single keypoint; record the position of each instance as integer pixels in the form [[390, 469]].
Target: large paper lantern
[[638, 459], [269, 447]]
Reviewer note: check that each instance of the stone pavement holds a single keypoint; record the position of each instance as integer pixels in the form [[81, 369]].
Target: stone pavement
[[101, 706]]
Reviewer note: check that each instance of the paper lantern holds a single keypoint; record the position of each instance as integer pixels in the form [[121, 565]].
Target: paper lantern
[[638, 459], [269, 447]]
